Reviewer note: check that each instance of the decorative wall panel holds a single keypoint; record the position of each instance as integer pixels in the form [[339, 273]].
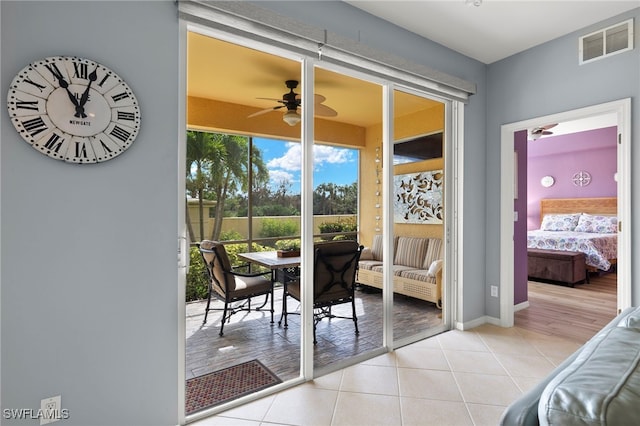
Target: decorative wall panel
[[418, 197]]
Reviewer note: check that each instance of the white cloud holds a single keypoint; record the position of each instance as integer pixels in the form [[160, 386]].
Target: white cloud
[[289, 161], [276, 177], [328, 154], [321, 154]]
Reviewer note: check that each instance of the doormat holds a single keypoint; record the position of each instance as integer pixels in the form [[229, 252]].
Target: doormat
[[227, 384]]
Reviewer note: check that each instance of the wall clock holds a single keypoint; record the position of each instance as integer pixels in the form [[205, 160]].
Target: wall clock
[[73, 109]]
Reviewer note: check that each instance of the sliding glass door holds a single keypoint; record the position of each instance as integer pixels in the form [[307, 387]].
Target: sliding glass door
[[346, 177], [243, 190], [418, 206], [266, 176]]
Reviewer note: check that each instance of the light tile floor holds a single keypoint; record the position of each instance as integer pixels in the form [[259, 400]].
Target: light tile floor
[[456, 378]]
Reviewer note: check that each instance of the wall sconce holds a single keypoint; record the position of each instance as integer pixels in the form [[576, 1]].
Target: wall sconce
[[547, 181]]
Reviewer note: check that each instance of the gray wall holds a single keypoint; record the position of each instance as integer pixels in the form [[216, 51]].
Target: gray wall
[[89, 275], [545, 80], [345, 20]]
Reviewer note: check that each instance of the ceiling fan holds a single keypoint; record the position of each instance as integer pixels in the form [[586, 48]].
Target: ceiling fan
[[292, 100], [538, 132]]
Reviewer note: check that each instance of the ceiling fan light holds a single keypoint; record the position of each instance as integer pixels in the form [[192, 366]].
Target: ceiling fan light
[[291, 117]]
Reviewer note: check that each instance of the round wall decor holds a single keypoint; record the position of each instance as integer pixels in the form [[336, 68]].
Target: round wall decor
[[547, 181], [581, 178]]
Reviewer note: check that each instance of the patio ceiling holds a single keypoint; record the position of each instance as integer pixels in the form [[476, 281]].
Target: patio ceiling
[[237, 75]]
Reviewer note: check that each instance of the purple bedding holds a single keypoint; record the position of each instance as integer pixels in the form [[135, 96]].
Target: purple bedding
[[599, 249]]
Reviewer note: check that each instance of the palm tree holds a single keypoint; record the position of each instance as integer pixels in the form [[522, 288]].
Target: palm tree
[[327, 195], [217, 168], [229, 172], [199, 158]]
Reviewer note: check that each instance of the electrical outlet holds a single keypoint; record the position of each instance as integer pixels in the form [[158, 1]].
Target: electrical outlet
[[494, 291], [51, 409]]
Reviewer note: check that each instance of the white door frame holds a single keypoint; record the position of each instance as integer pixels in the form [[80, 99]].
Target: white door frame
[[622, 109], [183, 245]]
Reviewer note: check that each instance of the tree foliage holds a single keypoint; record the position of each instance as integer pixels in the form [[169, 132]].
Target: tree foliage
[[329, 199], [217, 167], [218, 170]]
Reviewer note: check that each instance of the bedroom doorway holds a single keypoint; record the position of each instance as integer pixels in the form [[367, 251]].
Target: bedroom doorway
[[509, 190], [549, 298]]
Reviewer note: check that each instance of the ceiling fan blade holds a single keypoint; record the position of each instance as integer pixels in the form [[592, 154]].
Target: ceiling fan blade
[[264, 111], [542, 129], [324, 110], [271, 99], [318, 99]]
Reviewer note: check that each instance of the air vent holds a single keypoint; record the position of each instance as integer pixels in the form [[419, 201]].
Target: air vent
[[609, 41]]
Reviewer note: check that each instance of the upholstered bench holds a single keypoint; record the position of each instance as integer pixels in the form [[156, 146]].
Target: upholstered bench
[[555, 265]]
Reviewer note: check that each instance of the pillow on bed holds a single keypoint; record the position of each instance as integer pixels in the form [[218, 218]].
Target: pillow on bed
[[560, 222], [597, 224]]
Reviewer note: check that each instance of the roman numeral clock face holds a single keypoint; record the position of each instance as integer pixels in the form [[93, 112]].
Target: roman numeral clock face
[[73, 109]]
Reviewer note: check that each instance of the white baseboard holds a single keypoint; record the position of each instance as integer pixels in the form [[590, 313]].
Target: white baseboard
[[488, 319], [468, 325]]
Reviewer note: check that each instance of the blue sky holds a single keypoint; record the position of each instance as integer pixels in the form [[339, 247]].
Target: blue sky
[[331, 164]]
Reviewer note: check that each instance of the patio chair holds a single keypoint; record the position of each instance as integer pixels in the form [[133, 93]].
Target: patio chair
[[230, 286], [334, 279]]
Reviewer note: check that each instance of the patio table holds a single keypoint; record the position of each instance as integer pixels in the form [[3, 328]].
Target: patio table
[[270, 259]]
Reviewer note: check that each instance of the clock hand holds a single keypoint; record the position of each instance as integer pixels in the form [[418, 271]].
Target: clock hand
[[65, 85], [85, 96]]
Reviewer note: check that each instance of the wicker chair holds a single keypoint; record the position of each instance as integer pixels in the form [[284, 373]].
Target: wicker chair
[[230, 286], [334, 279]]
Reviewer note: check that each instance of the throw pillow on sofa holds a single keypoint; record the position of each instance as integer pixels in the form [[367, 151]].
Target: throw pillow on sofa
[[411, 252], [434, 268], [434, 252]]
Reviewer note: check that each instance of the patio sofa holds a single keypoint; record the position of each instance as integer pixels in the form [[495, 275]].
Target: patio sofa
[[417, 267], [598, 384]]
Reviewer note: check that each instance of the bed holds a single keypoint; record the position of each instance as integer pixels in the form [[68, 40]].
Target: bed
[[586, 225]]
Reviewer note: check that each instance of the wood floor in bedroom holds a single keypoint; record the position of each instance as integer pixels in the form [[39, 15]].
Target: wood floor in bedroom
[[575, 313]]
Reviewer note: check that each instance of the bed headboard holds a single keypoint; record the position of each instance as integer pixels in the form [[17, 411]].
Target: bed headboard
[[605, 206]]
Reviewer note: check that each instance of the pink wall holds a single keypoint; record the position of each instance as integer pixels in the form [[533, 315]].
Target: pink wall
[[562, 156]]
